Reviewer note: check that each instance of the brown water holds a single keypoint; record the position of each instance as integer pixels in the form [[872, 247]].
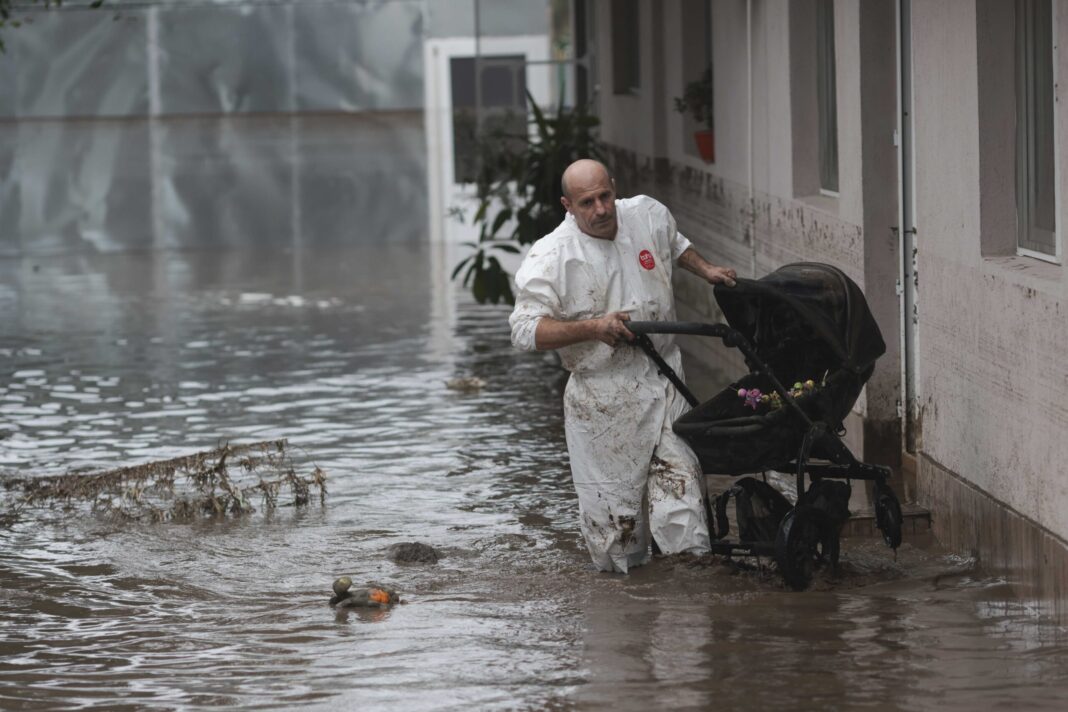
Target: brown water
[[123, 359]]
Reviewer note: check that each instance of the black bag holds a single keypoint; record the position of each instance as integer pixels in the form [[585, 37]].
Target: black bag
[[758, 510], [831, 497]]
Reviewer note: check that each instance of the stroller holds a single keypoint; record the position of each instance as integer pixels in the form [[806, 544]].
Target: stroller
[[808, 326]]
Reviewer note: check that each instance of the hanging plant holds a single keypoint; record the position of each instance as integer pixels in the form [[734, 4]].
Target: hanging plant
[[697, 100]]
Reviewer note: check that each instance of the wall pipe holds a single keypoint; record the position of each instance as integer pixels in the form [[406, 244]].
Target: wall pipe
[[750, 210]]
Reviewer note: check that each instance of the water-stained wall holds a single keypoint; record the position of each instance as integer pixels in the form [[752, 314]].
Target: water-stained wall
[[767, 153], [992, 325]]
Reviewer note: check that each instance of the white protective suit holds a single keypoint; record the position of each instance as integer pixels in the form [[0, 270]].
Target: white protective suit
[[625, 459]]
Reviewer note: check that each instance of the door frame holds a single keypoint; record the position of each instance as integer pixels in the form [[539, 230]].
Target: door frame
[[443, 192]]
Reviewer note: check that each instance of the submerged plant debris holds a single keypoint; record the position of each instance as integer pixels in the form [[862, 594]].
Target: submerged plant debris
[[219, 482]]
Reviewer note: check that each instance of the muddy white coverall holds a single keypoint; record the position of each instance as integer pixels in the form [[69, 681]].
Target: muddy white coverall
[[626, 462]]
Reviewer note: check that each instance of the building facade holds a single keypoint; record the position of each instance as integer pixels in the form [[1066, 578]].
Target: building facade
[[915, 146]]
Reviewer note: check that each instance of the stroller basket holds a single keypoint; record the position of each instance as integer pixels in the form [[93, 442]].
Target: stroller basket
[[730, 438]]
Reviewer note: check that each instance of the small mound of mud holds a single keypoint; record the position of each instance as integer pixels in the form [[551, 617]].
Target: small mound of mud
[[413, 552], [465, 384]]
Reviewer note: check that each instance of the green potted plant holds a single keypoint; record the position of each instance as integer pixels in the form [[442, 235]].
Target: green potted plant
[[697, 101], [518, 192]]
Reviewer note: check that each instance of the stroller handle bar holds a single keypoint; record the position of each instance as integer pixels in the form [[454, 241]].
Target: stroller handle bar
[[731, 337], [694, 328]]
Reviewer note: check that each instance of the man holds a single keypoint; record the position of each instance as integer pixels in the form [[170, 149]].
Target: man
[[610, 261]]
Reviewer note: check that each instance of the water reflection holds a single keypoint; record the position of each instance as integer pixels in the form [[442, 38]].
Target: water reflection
[[346, 352]]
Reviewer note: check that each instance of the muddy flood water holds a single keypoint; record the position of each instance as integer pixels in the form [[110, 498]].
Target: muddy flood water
[[116, 360]]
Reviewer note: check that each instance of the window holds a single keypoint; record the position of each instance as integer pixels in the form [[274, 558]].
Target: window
[[697, 74], [581, 32], [826, 96], [500, 98], [626, 59], [1036, 203]]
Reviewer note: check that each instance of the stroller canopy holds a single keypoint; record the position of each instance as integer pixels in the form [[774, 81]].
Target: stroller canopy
[[816, 299]]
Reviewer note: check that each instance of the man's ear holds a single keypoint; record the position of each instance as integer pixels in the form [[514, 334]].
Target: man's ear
[[565, 202]]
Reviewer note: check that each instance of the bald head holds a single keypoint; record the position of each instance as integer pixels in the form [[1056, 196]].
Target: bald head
[[583, 171], [590, 197]]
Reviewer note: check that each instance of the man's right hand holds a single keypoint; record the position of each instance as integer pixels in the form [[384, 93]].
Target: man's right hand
[[611, 328]]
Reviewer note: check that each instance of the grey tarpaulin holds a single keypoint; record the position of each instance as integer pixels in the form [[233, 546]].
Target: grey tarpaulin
[[174, 124]]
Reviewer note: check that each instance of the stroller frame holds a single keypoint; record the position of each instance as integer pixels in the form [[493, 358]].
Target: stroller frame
[[806, 537]]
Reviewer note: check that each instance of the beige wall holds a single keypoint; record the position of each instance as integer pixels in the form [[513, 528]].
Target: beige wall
[[789, 221], [619, 111], [993, 326], [993, 334]]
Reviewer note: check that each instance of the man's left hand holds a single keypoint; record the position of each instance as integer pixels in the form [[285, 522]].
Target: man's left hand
[[721, 275]]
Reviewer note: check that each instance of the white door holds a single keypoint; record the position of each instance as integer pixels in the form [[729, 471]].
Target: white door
[[455, 105]]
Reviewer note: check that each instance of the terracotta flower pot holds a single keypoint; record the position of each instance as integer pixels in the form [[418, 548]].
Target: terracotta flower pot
[[706, 144]]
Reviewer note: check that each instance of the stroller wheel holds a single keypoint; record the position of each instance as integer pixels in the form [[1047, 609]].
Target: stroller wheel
[[888, 515], [797, 547]]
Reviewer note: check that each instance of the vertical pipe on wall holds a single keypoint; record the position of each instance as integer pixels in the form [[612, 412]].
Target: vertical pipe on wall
[[296, 218], [750, 212], [907, 269], [478, 76], [154, 139]]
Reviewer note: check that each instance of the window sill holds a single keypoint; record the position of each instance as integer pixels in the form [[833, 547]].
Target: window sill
[[695, 162], [1032, 272], [824, 203]]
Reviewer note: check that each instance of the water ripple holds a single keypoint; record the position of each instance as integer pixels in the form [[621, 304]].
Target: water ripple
[[116, 360]]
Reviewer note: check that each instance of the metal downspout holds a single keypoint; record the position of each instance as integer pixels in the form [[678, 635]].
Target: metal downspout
[[908, 279], [750, 209], [478, 79]]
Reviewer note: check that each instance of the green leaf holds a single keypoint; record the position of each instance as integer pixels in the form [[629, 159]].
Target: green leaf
[[539, 117], [501, 219], [507, 248], [480, 289], [471, 271], [475, 269], [460, 266], [506, 289], [499, 287]]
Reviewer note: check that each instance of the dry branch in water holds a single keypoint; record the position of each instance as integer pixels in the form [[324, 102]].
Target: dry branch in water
[[214, 483]]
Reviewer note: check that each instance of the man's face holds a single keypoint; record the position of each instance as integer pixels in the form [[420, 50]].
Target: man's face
[[593, 203]]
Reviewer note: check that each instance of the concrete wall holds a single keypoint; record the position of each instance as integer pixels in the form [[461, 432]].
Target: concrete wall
[[769, 153], [992, 381], [992, 325]]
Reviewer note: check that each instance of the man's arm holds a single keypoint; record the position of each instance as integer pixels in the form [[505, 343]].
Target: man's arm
[[554, 334], [692, 261]]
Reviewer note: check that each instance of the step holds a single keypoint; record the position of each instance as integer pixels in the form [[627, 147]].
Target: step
[[916, 522]]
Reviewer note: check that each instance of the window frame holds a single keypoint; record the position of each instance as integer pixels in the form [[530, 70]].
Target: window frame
[[1056, 257], [823, 119], [688, 125], [619, 34]]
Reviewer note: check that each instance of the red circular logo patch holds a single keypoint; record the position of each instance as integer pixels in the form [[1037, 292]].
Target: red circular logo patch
[[646, 258]]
